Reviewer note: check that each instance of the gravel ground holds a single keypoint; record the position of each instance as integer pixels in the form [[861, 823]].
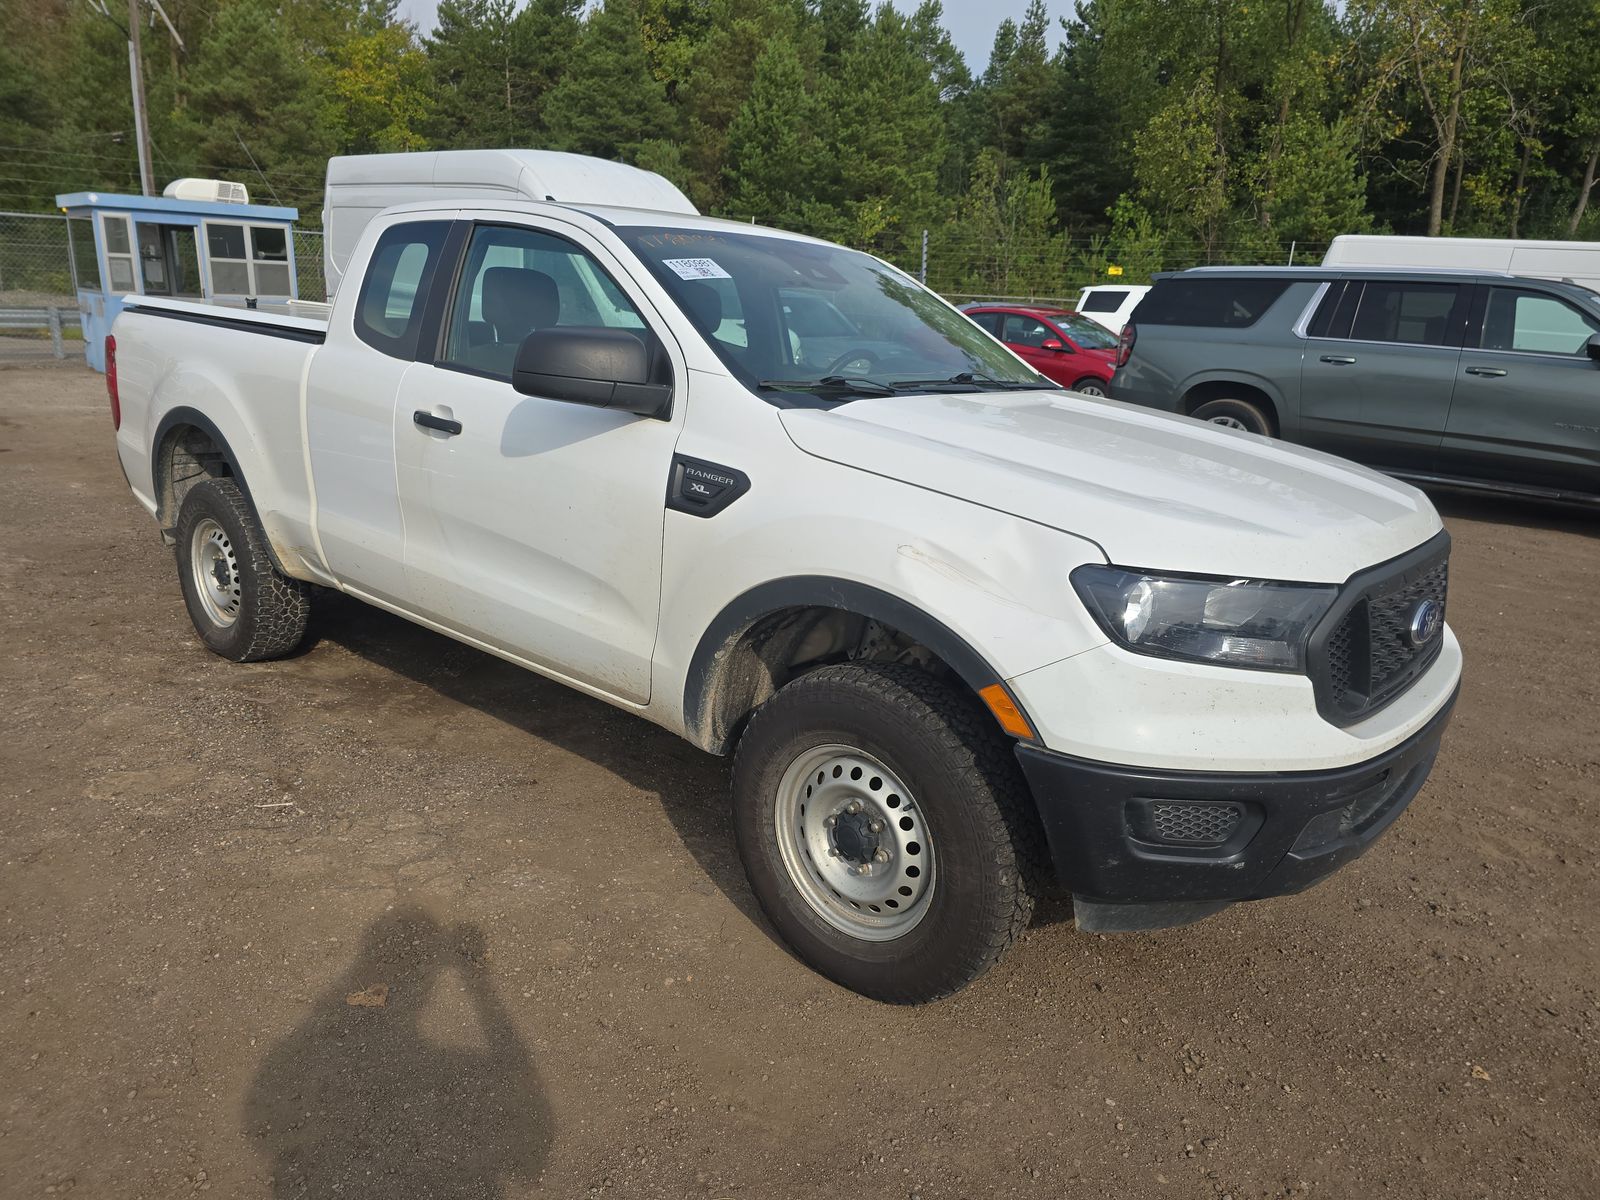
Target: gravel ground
[[393, 918]]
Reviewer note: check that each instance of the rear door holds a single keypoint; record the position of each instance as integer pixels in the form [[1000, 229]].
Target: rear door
[[1379, 367], [1527, 403], [350, 398]]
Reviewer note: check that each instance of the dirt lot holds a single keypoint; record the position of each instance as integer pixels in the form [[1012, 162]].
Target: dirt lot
[[204, 863]]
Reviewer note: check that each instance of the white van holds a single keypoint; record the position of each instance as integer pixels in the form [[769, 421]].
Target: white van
[[360, 186], [1111, 304], [1574, 262]]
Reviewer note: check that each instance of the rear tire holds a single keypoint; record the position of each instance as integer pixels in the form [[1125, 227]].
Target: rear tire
[[1236, 414], [242, 607], [923, 792]]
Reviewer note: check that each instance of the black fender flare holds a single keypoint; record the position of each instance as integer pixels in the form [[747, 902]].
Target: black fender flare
[[183, 415], [818, 591]]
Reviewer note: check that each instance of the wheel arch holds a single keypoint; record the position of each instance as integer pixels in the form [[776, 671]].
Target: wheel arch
[[165, 446], [1233, 387], [756, 644]]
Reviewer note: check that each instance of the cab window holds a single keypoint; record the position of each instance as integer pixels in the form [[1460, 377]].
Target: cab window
[[389, 310], [1534, 323], [519, 280]]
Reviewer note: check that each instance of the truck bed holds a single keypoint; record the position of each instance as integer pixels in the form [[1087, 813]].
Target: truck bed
[[298, 320]]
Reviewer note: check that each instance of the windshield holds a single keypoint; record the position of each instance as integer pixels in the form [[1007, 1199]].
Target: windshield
[[1085, 332], [819, 323]]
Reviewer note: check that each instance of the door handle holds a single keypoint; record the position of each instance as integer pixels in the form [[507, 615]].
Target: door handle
[[443, 424], [1342, 360], [1491, 372]]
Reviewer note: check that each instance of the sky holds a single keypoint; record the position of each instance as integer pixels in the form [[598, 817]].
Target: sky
[[971, 22]]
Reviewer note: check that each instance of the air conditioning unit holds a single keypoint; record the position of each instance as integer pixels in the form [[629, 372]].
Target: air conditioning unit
[[211, 191]]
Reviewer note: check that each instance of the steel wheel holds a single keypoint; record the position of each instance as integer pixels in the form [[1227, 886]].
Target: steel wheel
[[854, 843], [215, 567]]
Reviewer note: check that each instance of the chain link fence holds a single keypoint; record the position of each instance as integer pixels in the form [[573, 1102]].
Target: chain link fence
[[308, 264], [38, 303]]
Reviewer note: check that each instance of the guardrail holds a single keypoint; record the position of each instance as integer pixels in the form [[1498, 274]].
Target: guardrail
[[52, 320]]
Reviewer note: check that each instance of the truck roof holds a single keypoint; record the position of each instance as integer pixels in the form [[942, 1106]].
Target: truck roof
[[538, 174], [615, 215]]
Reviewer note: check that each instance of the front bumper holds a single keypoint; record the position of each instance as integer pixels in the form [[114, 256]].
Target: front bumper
[[1143, 848]]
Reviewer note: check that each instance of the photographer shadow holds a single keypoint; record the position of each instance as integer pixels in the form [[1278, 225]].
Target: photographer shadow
[[398, 1083]]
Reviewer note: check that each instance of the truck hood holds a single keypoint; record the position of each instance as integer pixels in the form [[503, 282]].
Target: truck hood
[[1152, 490]]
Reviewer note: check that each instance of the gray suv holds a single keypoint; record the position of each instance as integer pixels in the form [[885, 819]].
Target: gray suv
[[1466, 378]]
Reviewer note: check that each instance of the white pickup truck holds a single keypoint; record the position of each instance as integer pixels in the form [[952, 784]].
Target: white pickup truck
[[970, 637]]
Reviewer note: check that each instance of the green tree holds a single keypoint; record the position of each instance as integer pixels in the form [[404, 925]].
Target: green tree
[[379, 92], [608, 103], [721, 75], [884, 136], [1007, 229], [772, 147], [493, 67], [256, 103]]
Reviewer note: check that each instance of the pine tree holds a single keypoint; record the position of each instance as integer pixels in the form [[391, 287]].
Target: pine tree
[[494, 66], [255, 106], [772, 148], [608, 103]]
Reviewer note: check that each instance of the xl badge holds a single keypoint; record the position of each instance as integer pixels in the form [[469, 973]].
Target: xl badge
[[1426, 620]]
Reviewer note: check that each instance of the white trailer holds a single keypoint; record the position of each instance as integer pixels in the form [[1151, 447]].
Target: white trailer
[[1576, 262]]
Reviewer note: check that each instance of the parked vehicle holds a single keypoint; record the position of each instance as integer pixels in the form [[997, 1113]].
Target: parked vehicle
[[1111, 304], [1572, 262], [1056, 342], [1470, 379], [969, 636]]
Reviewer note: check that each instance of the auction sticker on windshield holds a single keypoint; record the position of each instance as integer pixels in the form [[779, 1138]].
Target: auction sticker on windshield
[[696, 268]]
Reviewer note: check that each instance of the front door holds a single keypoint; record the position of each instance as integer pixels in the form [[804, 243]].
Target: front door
[[1027, 336], [1378, 368], [534, 525], [1527, 404]]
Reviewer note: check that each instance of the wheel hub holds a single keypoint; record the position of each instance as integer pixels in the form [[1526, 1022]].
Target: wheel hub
[[854, 842], [852, 837]]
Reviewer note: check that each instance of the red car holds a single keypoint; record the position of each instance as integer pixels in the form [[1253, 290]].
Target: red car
[[1058, 343]]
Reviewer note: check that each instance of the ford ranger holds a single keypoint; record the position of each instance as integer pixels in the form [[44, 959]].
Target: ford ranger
[[969, 637]]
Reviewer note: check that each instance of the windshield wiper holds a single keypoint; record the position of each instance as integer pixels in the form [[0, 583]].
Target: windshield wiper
[[972, 379], [832, 383]]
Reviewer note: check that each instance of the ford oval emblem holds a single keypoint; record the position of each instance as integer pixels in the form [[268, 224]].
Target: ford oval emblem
[[1426, 620]]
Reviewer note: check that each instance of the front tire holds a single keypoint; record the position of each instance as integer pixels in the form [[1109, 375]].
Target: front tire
[[886, 830], [242, 607], [1236, 414], [1090, 386]]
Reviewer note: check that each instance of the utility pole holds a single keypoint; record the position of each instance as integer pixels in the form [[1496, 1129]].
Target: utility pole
[[141, 117]]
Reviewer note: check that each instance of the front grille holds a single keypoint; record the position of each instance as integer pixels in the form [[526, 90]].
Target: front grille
[[1367, 658], [1195, 824]]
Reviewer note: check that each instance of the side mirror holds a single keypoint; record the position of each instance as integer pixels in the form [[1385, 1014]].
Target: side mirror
[[1593, 346], [603, 368], [1051, 344]]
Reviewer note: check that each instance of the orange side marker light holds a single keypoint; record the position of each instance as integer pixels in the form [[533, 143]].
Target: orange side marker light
[[1005, 711]]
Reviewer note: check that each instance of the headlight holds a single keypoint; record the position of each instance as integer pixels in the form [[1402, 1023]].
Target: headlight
[[1231, 622]]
